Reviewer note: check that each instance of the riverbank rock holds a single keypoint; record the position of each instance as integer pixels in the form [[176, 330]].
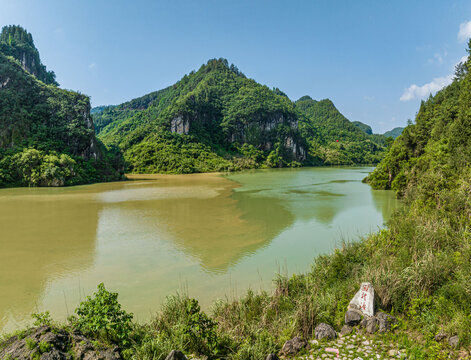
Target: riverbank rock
[[176, 355], [293, 346], [352, 317], [371, 325], [364, 300], [48, 343], [385, 322], [324, 331]]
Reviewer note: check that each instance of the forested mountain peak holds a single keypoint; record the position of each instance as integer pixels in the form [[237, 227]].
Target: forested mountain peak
[[47, 136], [240, 122], [18, 43]]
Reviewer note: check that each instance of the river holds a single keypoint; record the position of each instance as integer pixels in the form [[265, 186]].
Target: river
[[208, 235]]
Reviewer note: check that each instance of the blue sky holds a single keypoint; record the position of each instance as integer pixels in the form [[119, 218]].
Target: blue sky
[[373, 59]]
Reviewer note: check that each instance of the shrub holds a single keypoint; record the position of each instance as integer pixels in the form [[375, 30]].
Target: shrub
[[101, 316]]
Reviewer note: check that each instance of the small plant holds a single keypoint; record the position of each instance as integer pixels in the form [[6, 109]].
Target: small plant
[[101, 316], [44, 347], [199, 326], [42, 319], [31, 344]]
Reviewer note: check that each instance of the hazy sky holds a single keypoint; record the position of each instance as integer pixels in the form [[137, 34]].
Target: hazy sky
[[373, 59]]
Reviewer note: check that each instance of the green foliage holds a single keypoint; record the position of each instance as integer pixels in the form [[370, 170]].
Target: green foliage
[[363, 127], [101, 316], [18, 43], [30, 343], [332, 139], [233, 121], [46, 133], [44, 347], [186, 327], [42, 319]]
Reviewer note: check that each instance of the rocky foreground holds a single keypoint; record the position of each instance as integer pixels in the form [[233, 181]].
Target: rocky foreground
[[50, 343]]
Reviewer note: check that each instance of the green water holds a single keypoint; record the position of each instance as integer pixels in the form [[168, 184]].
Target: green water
[[208, 235]]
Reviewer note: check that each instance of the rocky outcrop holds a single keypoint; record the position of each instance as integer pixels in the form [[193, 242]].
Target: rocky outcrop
[[362, 310], [180, 125], [264, 128], [46, 343]]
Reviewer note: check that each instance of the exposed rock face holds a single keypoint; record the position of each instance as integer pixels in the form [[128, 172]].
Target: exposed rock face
[[180, 125], [324, 331], [54, 344], [265, 128], [293, 346]]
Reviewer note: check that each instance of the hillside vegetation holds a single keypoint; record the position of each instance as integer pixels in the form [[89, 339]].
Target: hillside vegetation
[[218, 119], [47, 136]]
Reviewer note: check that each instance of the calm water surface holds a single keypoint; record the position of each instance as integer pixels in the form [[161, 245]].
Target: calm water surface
[[209, 235]]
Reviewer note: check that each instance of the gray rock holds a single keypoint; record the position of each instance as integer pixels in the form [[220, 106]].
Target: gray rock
[[176, 355], [272, 357], [324, 331], [293, 346], [352, 317], [346, 330], [454, 341], [385, 322], [371, 325], [440, 336]]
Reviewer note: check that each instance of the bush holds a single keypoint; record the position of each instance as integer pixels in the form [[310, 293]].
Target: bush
[[101, 316]]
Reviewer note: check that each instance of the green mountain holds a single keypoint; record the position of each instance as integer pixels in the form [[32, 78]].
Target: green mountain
[[47, 136], [333, 139], [435, 151], [363, 127], [394, 133], [218, 119]]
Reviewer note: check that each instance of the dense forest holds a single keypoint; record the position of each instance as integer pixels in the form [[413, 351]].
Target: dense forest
[[217, 119], [47, 136]]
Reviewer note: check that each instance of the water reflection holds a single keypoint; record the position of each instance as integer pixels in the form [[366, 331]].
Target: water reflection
[[144, 238]]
